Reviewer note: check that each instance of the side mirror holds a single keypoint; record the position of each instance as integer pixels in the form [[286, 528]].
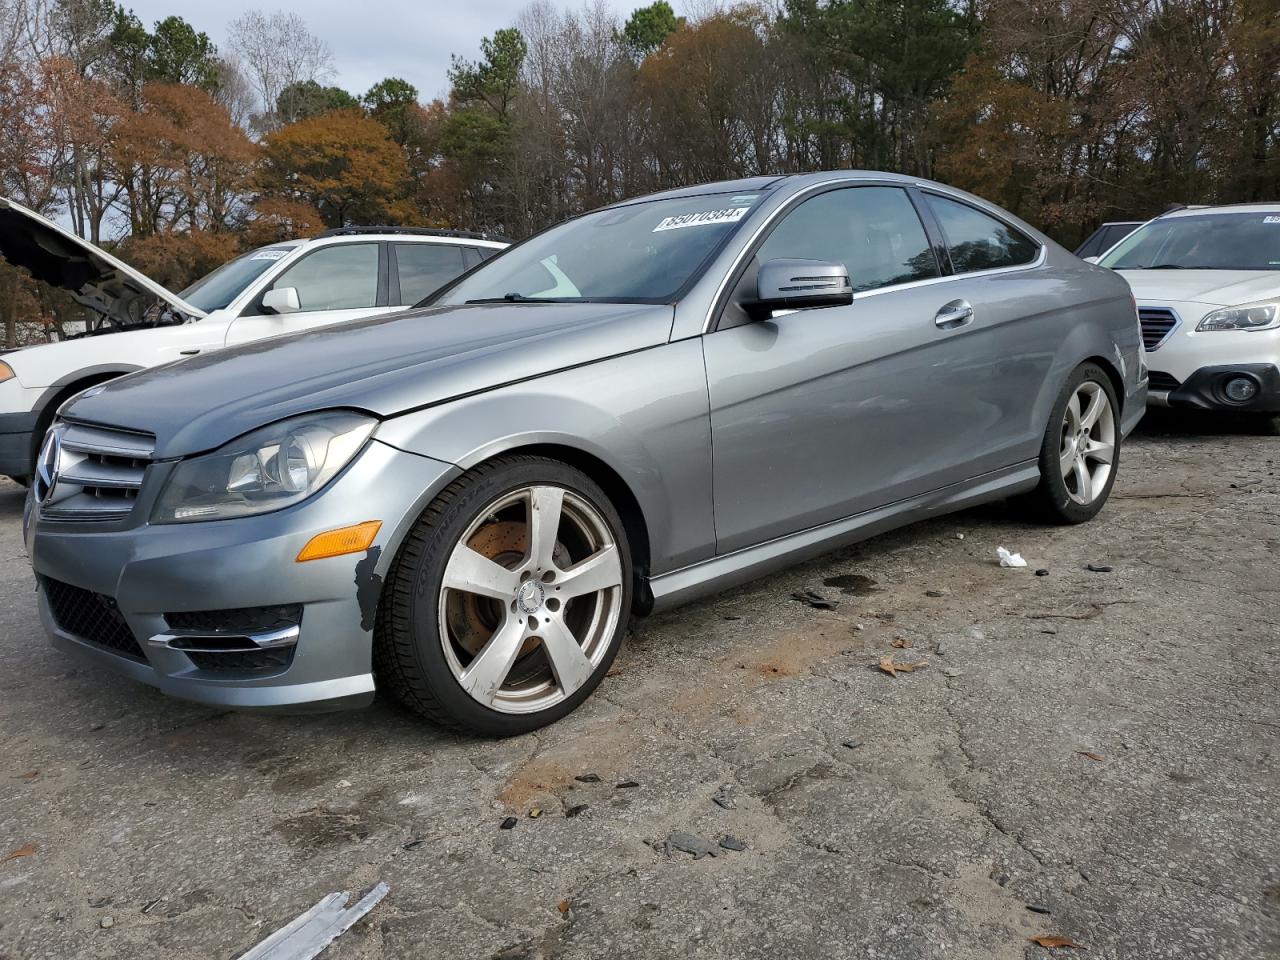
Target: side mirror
[[796, 284], [282, 300]]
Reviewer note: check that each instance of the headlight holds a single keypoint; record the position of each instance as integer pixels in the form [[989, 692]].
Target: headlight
[[6, 372], [1253, 316], [266, 470]]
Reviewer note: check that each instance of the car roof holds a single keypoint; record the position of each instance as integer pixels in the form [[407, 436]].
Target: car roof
[[415, 234], [1260, 207]]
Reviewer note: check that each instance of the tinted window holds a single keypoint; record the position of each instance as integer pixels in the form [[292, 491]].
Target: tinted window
[[1215, 241], [335, 278], [978, 241], [425, 267], [215, 290], [642, 252], [873, 231]]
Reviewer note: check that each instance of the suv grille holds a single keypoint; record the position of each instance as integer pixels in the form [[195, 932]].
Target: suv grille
[[91, 617], [1157, 324]]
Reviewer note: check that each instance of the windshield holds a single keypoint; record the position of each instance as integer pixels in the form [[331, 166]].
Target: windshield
[[1211, 241], [641, 253], [216, 290]]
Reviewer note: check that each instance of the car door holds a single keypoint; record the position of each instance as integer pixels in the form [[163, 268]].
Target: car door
[[1022, 317], [824, 413], [335, 283]]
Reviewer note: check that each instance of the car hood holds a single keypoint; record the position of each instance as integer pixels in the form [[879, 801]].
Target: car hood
[[385, 365], [94, 277], [1226, 288]]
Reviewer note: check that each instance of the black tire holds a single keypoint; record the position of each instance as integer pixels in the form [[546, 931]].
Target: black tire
[[1265, 424], [408, 653], [1051, 501]]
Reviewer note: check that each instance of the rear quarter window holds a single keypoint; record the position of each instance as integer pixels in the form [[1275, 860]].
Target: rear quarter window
[[978, 241]]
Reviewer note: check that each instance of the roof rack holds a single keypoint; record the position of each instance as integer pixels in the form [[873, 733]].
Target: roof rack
[[356, 231]]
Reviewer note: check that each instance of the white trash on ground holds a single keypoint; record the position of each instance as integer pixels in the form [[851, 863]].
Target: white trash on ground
[[308, 934], [1008, 559]]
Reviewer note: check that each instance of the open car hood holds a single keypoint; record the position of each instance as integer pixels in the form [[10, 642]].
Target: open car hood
[[95, 278]]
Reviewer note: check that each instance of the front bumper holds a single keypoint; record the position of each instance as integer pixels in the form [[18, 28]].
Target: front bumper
[[143, 572], [1204, 389], [15, 443]]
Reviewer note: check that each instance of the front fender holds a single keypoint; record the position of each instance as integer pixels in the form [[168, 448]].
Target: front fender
[[644, 415]]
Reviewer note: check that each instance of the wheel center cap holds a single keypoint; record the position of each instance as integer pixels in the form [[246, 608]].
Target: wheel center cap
[[531, 595]]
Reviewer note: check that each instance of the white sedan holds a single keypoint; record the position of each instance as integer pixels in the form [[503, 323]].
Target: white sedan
[[1207, 282]]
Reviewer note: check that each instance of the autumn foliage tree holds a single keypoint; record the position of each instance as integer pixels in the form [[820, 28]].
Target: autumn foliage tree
[[343, 164]]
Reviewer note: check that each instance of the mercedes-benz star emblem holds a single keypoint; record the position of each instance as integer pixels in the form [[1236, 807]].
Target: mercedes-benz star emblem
[[47, 467]]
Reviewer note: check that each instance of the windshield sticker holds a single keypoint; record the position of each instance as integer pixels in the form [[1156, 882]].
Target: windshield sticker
[[1271, 219], [706, 218], [270, 255], [745, 198]]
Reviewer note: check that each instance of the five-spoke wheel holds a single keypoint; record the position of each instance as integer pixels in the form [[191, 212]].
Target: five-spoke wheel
[[1081, 449], [509, 599]]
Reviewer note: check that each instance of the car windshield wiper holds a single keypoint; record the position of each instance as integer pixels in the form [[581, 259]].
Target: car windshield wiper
[[1165, 266], [516, 298]]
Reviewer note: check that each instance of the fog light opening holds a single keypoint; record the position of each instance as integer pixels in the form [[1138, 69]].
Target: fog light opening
[[1240, 389]]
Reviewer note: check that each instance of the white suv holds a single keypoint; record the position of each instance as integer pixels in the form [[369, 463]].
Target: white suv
[[282, 288], [1207, 282]]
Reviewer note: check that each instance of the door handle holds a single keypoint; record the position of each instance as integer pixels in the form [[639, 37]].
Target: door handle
[[957, 313]]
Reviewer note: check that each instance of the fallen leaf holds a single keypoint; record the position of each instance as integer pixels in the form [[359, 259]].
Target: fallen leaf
[[902, 643], [23, 851], [1052, 942], [893, 669], [1091, 756], [614, 672], [563, 906], [29, 775]]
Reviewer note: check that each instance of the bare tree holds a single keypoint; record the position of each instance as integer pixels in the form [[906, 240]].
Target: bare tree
[[277, 51]]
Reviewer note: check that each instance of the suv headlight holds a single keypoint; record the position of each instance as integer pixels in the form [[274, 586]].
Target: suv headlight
[[268, 469], [1252, 316]]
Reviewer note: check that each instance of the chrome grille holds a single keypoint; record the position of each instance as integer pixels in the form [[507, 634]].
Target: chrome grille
[[91, 473], [1157, 324]]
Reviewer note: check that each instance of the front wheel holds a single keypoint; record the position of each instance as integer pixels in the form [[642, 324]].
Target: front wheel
[[508, 600], [1081, 450]]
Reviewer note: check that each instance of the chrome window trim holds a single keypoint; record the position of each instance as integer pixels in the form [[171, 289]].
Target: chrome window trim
[[1177, 322], [709, 319], [1039, 261]]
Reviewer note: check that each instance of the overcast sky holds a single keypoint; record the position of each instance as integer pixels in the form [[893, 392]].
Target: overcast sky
[[373, 39]]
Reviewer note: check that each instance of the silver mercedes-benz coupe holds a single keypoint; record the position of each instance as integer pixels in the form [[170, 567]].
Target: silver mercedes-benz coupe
[[465, 503]]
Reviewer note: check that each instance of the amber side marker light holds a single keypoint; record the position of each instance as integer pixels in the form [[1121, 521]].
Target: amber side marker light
[[334, 543]]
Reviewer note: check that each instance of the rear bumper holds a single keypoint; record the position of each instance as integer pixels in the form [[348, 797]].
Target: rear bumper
[[143, 572], [1204, 389], [1135, 408]]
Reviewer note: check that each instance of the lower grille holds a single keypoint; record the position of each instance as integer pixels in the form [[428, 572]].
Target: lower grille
[[1162, 381], [1157, 325], [91, 617], [242, 620], [239, 661]]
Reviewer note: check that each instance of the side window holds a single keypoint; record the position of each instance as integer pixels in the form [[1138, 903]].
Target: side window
[[978, 241], [343, 277], [874, 231], [424, 268]]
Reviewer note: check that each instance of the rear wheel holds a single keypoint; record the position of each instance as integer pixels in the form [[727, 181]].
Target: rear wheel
[[508, 600], [1081, 450]]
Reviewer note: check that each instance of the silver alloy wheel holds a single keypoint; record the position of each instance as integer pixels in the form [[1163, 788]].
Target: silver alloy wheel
[[1088, 443], [539, 574]]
